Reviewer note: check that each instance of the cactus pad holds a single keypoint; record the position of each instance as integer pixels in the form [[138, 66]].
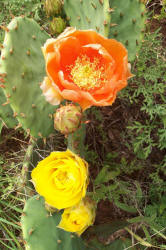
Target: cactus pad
[[40, 231], [127, 20], [85, 14], [121, 20], [6, 113], [24, 66]]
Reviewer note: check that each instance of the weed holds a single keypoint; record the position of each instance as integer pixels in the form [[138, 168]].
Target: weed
[[147, 91]]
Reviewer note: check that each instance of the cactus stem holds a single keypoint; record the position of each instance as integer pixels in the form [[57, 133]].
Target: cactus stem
[[4, 28], [28, 52], [93, 5], [34, 37], [6, 103]]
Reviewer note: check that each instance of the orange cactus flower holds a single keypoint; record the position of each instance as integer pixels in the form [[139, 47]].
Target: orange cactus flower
[[84, 67]]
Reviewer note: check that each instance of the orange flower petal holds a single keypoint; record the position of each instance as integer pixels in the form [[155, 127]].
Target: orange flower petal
[[62, 53]]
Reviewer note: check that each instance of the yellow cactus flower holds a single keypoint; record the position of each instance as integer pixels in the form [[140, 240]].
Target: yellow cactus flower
[[61, 178], [79, 217]]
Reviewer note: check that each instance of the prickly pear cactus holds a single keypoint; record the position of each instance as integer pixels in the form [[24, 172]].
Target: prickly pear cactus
[[122, 20], [40, 231], [127, 23], [67, 118], [6, 112], [85, 14], [23, 64]]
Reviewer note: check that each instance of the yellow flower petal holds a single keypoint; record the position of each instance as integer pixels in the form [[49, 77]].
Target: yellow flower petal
[[79, 217], [61, 178]]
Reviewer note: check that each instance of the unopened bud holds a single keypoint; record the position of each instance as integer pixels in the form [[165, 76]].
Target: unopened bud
[[67, 118]]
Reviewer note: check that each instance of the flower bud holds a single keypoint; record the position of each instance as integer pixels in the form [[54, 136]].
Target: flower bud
[[57, 25], [67, 118], [53, 7], [79, 217]]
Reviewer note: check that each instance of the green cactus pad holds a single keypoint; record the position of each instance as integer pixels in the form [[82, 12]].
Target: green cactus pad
[[6, 112], [24, 65], [128, 20], [87, 14], [121, 20], [40, 230]]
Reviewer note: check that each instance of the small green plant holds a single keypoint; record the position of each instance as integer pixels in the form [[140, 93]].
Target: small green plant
[[147, 91]]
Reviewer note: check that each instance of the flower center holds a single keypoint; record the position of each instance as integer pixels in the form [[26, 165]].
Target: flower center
[[62, 177], [87, 74]]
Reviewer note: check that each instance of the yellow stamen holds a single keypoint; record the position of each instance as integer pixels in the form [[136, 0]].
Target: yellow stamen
[[87, 74]]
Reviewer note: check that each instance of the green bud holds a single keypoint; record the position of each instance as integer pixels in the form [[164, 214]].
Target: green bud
[[67, 118], [53, 7], [57, 26]]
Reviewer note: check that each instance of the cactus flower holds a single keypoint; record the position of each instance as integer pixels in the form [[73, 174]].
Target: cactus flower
[[61, 178], [79, 217], [84, 67]]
